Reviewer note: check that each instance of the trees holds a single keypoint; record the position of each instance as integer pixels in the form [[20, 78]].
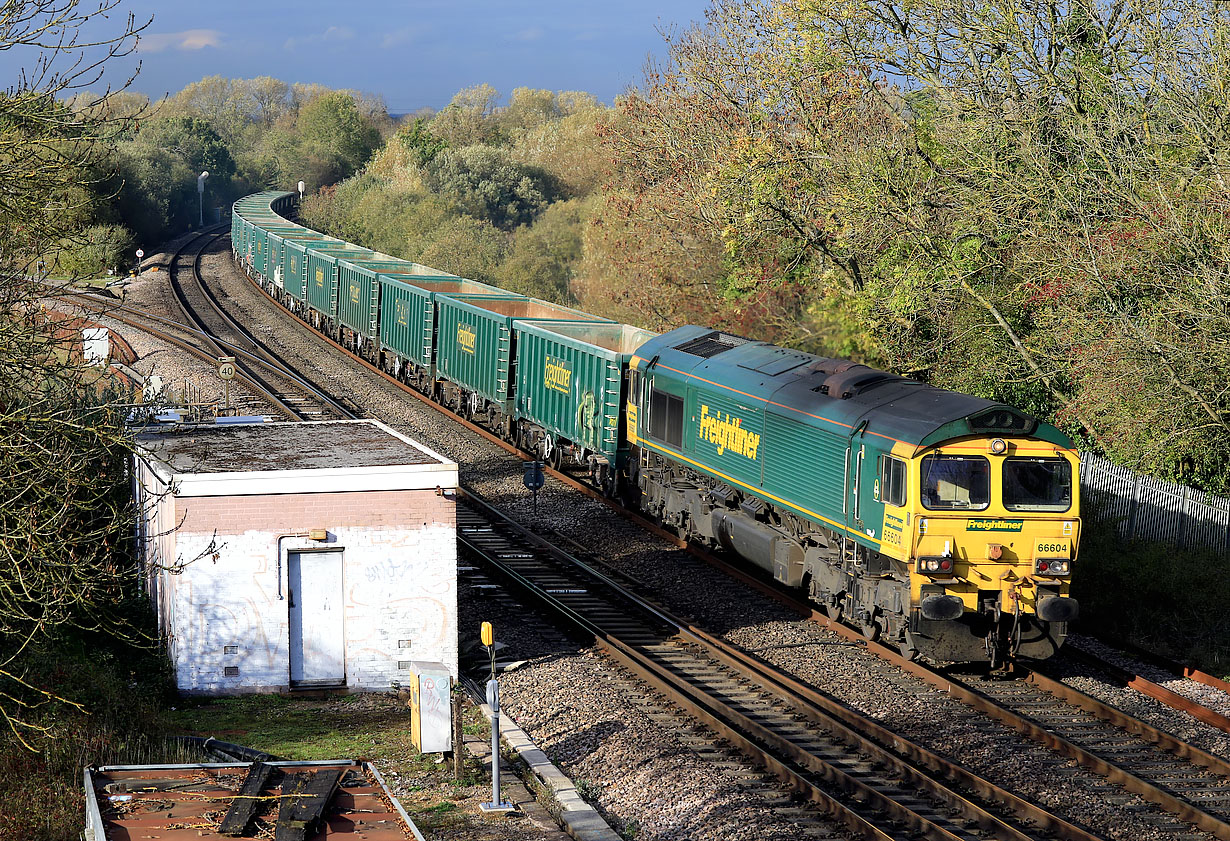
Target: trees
[[467, 247], [486, 183], [468, 119], [327, 140], [498, 194], [156, 172], [63, 498], [544, 256], [1021, 201]]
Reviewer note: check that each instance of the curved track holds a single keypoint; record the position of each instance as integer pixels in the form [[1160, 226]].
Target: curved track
[[286, 388]]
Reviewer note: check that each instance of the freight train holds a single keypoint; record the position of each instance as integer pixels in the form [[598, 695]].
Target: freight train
[[943, 523]]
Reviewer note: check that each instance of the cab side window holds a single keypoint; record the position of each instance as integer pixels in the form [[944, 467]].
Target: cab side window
[[665, 417], [892, 481]]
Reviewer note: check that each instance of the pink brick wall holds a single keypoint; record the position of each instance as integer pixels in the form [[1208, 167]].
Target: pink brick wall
[[301, 512]]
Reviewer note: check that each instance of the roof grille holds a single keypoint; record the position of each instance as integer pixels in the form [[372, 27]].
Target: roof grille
[[711, 344]]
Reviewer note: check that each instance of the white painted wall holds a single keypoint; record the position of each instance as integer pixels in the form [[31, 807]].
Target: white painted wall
[[400, 585]]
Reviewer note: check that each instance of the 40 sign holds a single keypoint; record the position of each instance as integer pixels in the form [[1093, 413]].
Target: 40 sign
[[226, 367]]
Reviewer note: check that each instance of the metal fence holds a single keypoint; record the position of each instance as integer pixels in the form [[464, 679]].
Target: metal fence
[[1145, 508]]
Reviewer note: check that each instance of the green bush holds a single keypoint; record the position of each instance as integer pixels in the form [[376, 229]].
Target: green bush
[[1169, 600], [98, 248]]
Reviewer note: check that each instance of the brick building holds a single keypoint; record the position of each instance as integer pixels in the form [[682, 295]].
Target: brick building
[[284, 555]]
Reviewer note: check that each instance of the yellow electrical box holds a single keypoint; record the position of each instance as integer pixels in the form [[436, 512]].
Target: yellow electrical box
[[431, 720]]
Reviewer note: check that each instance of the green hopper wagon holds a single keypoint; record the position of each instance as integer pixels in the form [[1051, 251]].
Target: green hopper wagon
[[570, 381], [475, 340]]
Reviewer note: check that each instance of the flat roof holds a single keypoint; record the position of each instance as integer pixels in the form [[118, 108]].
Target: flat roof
[[301, 457]]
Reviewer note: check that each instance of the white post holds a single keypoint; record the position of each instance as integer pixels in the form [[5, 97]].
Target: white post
[[497, 803], [200, 191]]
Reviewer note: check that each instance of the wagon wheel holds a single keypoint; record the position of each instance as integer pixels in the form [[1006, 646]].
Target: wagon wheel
[[832, 609]]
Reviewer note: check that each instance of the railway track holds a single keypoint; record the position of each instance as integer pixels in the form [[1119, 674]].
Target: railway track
[[285, 388], [1202, 684], [1193, 786], [869, 779]]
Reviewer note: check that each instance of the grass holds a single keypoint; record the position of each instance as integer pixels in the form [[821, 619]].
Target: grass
[[300, 728], [123, 688]]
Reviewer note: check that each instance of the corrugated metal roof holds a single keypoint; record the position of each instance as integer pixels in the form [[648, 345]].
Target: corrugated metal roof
[[181, 802]]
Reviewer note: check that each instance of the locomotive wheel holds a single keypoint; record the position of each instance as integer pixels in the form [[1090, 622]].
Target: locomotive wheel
[[832, 611], [871, 630]]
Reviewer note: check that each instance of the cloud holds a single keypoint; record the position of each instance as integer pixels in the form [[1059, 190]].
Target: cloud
[[332, 35], [403, 37], [534, 33], [189, 39]]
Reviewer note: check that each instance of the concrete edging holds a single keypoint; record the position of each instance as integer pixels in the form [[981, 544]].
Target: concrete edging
[[580, 820]]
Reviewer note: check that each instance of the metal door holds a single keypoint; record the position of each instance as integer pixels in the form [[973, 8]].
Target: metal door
[[859, 478], [317, 634]]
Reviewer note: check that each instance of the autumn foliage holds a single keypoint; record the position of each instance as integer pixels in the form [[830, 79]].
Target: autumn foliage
[[1021, 201]]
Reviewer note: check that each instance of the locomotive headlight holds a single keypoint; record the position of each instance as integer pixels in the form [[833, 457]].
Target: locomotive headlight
[[935, 566], [1053, 566], [998, 446]]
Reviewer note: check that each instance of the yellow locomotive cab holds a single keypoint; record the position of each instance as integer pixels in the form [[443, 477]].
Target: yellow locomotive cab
[[989, 532]]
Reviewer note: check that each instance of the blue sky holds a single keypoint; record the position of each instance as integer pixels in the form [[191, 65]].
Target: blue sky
[[413, 53]]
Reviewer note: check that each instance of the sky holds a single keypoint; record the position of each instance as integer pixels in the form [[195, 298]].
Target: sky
[[414, 53]]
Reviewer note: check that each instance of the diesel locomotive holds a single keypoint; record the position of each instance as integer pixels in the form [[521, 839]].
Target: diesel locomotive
[[944, 523]]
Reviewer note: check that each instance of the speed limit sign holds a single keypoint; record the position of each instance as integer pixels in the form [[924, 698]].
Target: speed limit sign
[[226, 367], [140, 253]]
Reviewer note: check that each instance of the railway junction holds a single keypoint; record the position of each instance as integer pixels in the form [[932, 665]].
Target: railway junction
[[686, 699]]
